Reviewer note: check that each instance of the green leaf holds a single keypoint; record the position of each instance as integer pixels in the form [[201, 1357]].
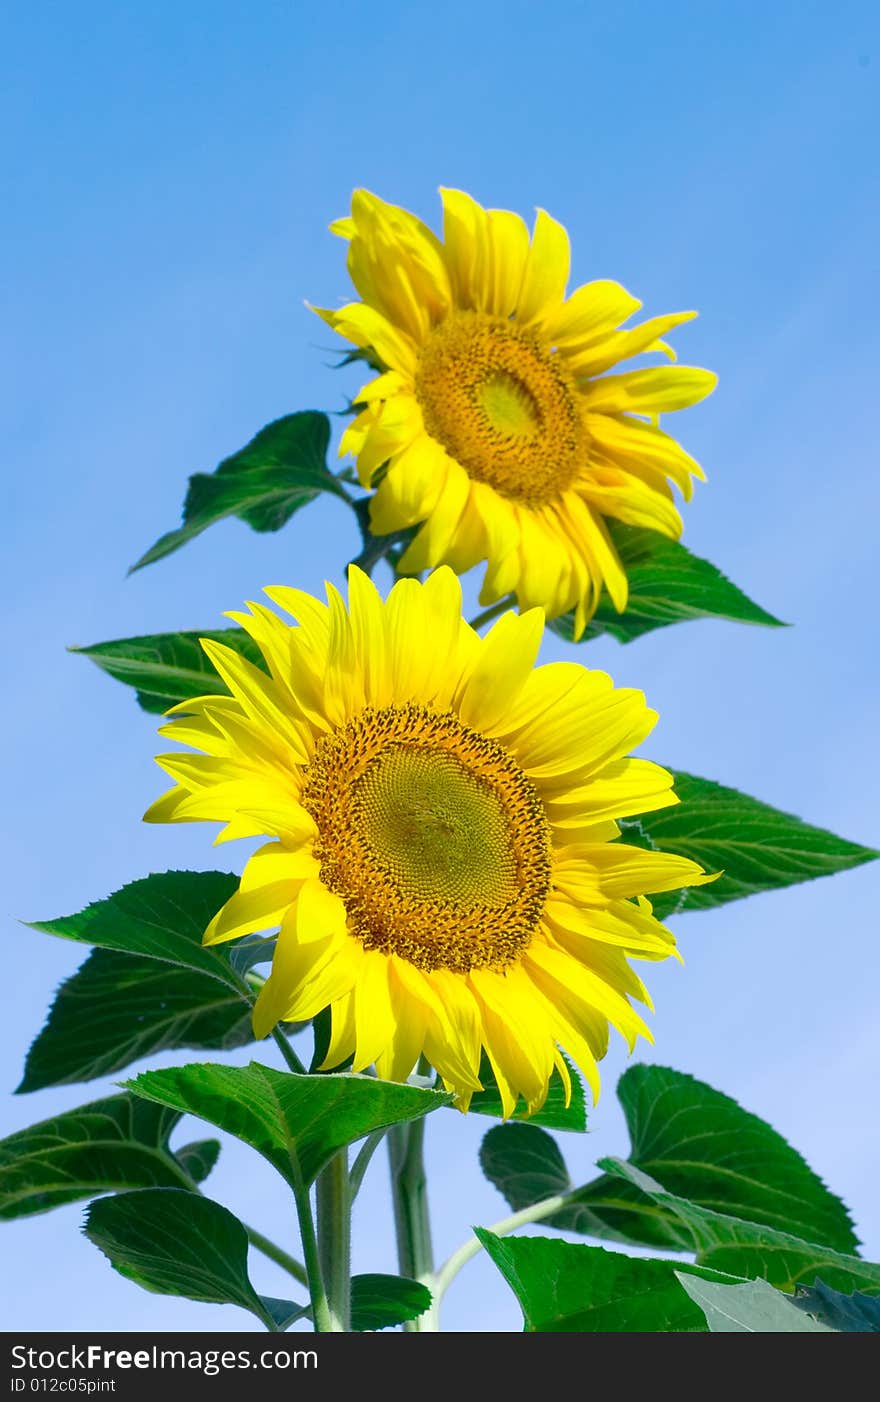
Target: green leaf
[[698, 1142], [277, 472], [705, 1147], [748, 1307], [554, 1113], [283, 1313], [667, 584], [757, 847], [177, 1243], [525, 1165], [380, 1301], [849, 1314], [162, 916], [198, 1159], [167, 668], [297, 1122], [120, 1007], [750, 1249], [563, 1287], [108, 1145]]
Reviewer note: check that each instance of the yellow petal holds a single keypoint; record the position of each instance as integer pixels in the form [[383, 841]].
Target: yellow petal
[[403, 1050], [411, 488], [318, 913], [503, 664], [623, 345], [636, 504], [590, 532], [591, 310], [374, 1015], [631, 871], [367, 327], [392, 429], [343, 1034], [580, 985], [432, 541], [629, 441], [275, 862], [656, 391], [508, 253], [546, 271], [465, 247], [368, 631], [624, 787], [304, 980], [249, 911]]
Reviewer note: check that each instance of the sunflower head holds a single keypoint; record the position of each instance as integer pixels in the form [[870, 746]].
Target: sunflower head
[[442, 858], [494, 421]]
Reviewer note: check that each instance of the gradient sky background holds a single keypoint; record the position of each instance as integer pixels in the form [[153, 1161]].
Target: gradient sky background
[[169, 171]]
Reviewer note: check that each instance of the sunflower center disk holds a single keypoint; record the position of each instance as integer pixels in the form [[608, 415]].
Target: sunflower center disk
[[433, 837], [502, 405]]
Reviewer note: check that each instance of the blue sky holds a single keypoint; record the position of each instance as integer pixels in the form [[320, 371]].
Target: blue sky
[[168, 175]]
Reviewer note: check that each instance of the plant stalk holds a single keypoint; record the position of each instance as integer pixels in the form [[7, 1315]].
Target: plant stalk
[[439, 1282], [293, 1062], [494, 611], [275, 1253], [322, 1318], [362, 1160], [409, 1191], [333, 1194]]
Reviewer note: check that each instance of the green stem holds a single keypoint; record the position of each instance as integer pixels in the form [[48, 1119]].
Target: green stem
[[362, 1160], [334, 1238], [276, 1254], [322, 1318], [409, 1191], [288, 1053], [494, 611], [440, 1281], [278, 1036], [375, 549]]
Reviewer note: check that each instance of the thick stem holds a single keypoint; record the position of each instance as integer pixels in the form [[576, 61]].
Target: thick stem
[[322, 1319], [494, 611], [334, 1238], [409, 1191]]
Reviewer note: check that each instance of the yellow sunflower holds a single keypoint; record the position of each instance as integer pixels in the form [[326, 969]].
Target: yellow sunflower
[[442, 861], [493, 420]]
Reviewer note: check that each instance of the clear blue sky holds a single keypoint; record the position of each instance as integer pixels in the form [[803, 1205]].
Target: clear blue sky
[[168, 174]]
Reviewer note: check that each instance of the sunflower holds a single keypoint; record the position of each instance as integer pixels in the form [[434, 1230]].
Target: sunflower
[[493, 422], [442, 859]]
